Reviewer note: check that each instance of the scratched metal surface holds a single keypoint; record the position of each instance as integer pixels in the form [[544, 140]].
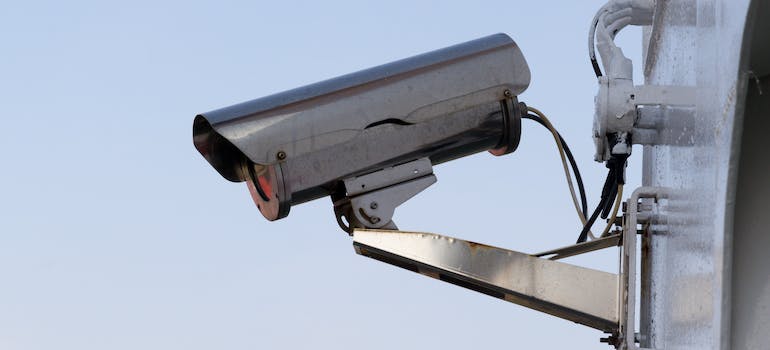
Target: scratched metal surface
[[695, 43]]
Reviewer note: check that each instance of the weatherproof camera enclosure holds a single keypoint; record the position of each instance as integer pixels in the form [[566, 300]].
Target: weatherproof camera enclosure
[[300, 145]]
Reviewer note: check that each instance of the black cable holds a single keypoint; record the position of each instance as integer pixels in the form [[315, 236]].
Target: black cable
[[592, 49], [606, 191], [608, 204], [597, 70], [617, 165], [615, 177], [573, 164], [590, 222], [592, 43]]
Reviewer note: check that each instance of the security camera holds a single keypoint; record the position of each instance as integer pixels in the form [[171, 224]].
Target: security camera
[[369, 139]]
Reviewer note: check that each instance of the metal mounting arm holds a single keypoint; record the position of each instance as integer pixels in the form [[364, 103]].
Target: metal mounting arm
[[597, 299], [582, 295]]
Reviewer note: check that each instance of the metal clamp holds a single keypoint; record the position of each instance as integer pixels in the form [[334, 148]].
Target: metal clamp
[[628, 337], [370, 200]]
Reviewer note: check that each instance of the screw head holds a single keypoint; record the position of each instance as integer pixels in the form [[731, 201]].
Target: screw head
[[373, 205], [281, 155], [374, 219], [507, 93]]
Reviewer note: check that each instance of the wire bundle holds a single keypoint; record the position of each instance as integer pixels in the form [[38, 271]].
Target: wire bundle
[[612, 191], [541, 119]]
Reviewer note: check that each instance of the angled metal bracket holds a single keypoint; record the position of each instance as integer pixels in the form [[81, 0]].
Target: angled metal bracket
[[597, 299], [581, 248], [586, 296]]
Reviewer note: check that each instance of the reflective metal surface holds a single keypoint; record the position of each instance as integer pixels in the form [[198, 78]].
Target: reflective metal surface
[[686, 296], [750, 287], [581, 248], [582, 295], [750, 270], [441, 105]]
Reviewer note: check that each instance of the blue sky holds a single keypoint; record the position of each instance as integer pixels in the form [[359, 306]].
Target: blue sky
[[116, 234]]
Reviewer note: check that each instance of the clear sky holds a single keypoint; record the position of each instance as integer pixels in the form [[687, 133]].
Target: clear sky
[[116, 234]]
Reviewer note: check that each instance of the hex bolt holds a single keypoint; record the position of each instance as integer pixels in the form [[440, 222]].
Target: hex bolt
[[374, 219], [611, 340], [373, 205], [281, 155]]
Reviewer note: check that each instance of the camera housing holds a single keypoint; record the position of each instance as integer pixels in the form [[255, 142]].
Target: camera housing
[[313, 141]]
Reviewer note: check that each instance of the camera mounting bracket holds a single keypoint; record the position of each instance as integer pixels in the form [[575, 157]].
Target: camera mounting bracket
[[370, 200]]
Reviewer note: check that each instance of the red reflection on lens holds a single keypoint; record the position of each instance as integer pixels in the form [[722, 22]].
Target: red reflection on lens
[[264, 184]]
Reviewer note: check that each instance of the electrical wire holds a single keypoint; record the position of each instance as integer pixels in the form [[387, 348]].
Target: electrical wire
[[560, 146], [612, 189], [590, 222], [591, 38], [606, 190], [614, 214], [573, 164]]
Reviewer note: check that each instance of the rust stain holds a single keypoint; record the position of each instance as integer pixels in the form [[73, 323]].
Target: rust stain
[[474, 247]]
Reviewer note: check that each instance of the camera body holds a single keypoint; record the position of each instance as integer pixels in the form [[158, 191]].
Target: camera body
[[303, 144]]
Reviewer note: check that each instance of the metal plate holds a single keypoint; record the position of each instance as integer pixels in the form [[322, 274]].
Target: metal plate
[[581, 295]]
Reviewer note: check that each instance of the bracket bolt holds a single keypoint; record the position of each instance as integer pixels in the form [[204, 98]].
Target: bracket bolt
[[374, 219], [281, 155], [373, 205], [507, 93], [613, 340]]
